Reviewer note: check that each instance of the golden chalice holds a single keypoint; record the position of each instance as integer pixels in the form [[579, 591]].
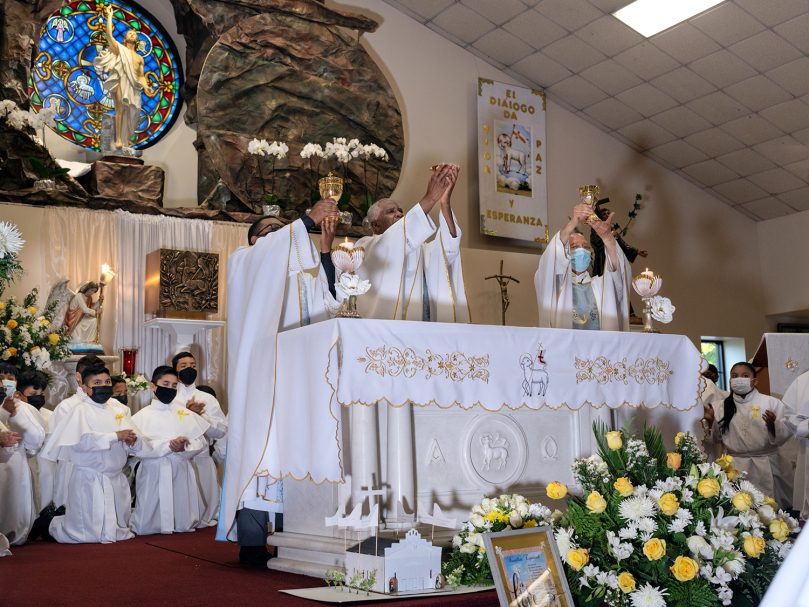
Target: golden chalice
[[589, 196], [331, 186]]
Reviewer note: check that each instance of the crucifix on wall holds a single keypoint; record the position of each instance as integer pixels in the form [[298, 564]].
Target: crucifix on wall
[[503, 280]]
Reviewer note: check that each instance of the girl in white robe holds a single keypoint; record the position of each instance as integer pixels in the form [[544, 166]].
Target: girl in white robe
[[167, 499], [17, 507], [750, 427]]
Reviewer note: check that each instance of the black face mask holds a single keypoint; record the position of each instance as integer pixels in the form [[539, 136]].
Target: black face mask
[[122, 398], [101, 394], [165, 395], [36, 400], [187, 375]]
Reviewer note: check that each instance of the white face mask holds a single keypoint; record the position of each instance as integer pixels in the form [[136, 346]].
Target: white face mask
[[741, 385], [10, 386]]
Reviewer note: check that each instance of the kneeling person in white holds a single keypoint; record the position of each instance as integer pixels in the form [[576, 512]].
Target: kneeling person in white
[[207, 407], [167, 497], [750, 426], [568, 297], [96, 437]]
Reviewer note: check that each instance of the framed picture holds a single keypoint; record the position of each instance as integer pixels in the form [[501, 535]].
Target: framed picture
[[526, 568]]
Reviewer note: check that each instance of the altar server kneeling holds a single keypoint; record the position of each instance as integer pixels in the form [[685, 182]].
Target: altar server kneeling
[[167, 498], [96, 437]]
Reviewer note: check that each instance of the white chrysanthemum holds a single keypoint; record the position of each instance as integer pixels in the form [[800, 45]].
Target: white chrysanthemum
[[647, 525], [755, 492], [648, 596], [6, 107], [678, 525], [564, 540], [11, 241], [628, 533], [635, 508]]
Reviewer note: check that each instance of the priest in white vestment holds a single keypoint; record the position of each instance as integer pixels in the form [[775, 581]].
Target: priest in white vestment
[[750, 427], [568, 297], [796, 399], [17, 507], [411, 278], [208, 407], [167, 498], [96, 438], [269, 290]]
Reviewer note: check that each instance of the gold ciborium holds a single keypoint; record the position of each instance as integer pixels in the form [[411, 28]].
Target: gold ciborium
[[589, 196], [331, 186]]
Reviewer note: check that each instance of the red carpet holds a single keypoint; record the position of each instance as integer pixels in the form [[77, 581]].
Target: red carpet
[[183, 570]]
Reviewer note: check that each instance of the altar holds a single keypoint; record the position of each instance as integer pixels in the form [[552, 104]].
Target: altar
[[433, 413]]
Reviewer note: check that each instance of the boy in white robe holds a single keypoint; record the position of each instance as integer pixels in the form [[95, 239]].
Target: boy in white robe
[[168, 498], [17, 507], [750, 427], [264, 296], [568, 297], [8, 440], [53, 484], [208, 407], [31, 387], [796, 399], [96, 438]]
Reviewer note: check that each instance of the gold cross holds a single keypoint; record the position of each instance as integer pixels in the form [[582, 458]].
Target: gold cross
[[182, 413], [755, 412], [119, 418]]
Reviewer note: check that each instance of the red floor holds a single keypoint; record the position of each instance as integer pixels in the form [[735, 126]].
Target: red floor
[[183, 570]]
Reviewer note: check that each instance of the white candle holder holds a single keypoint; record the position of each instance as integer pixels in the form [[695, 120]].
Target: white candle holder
[[348, 258], [647, 285]]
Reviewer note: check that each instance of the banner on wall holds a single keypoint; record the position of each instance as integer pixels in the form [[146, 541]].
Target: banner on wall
[[511, 161]]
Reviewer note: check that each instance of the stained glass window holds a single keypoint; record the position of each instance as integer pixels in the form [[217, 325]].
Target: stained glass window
[[64, 77]]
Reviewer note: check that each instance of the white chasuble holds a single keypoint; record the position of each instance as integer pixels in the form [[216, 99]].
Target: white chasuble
[[204, 465], [394, 263], [17, 506], [167, 497], [98, 500], [444, 276], [554, 286], [263, 296], [796, 400], [747, 439]]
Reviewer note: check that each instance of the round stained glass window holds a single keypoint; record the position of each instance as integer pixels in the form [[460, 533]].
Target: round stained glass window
[[64, 77]]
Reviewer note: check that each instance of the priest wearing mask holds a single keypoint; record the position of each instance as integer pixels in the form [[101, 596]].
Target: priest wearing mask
[[207, 407], [270, 288], [568, 296]]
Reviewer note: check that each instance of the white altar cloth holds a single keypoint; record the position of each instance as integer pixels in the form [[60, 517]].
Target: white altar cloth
[[350, 362]]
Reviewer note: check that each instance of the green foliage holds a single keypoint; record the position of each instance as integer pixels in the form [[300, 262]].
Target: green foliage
[[695, 593], [749, 589], [45, 172]]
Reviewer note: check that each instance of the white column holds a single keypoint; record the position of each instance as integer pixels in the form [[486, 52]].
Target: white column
[[400, 476], [364, 432]]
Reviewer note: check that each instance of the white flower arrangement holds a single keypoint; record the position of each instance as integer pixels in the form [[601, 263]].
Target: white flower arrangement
[[137, 383], [349, 284], [662, 309], [11, 241]]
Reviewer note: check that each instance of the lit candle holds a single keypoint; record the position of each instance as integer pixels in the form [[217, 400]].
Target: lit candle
[[347, 244]]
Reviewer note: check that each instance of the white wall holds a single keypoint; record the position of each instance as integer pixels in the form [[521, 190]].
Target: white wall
[[784, 244]]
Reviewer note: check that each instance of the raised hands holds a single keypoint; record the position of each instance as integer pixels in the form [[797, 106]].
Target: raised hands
[[323, 209], [440, 181], [9, 405]]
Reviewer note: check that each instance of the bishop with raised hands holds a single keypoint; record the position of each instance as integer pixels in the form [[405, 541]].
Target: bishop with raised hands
[[568, 297]]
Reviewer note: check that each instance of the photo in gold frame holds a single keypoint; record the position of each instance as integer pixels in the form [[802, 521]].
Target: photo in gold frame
[[526, 568]]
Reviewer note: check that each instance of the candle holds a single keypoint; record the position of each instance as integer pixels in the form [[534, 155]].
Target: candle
[[347, 244]]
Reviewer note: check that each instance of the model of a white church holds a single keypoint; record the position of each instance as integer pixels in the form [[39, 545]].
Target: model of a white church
[[410, 565]]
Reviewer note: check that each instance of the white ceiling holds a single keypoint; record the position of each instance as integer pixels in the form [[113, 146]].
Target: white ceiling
[[721, 99]]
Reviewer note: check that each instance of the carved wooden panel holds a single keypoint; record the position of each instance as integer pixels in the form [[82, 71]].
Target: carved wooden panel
[[182, 284]]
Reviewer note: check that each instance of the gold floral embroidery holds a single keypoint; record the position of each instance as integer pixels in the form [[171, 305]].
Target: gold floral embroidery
[[456, 366], [604, 371], [791, 364]]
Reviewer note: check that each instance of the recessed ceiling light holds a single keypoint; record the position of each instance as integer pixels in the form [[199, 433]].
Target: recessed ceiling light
[[652, 16]]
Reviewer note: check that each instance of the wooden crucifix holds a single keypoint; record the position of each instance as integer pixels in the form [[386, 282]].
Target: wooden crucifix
[[503, 280]]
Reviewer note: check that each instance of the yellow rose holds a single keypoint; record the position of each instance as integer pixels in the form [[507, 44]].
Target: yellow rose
[[678, 438], [577, 558], [556, 490], [53, 338], [708, 487], [725, 461], [614, 440], [530, 523], [32, 310], [626, 582], [45, 322], [12, 324], [674, 460], [11, 351], [754, 546], [779, 529], [624, 486], [768, 501], [742, 501], [668, 504], [2, 305], [655, 549], [596, 503], [684, 568], [732, 474]]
